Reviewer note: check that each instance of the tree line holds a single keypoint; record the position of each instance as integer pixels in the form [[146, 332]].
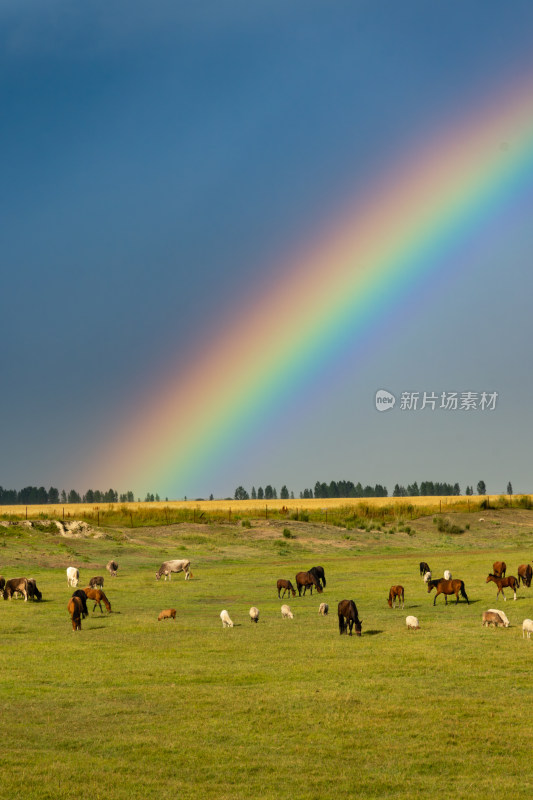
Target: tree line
[[350, 489], [38, 495]]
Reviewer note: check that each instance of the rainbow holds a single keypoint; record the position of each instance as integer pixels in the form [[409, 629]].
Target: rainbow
[[331, 293]]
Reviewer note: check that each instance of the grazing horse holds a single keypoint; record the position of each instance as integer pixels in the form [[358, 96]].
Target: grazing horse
[[99, 597], [82, 597], [396, 592], [177, 565], [424, 567], [319, 574], [287, 587], [75, 610], [97, 583], [348, 617], [525, 573], [305, 580], [503, 583], [448, 587], [33, 591], [16, 585], [499, 569], [112, 567]]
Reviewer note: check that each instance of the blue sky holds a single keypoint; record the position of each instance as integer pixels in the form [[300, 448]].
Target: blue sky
[[159, 161]]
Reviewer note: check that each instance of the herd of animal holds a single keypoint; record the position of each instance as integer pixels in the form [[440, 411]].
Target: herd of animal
[[314, 578]]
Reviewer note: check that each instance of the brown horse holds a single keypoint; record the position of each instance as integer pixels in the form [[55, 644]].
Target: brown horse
[[396, 592], [287, 587], [75, 609], [305, 581], [99, 597], [499, 568], [448, 587], [525, 574], [348, 617], [503, 583]]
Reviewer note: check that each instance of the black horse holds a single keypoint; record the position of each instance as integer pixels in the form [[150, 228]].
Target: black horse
[[348, 617], [319, 574], [83, 597], [424, 567]]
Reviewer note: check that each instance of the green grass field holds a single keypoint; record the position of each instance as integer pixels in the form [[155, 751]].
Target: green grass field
[[132, 708]]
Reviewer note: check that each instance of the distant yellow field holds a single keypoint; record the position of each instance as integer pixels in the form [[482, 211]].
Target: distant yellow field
[[430, 504]]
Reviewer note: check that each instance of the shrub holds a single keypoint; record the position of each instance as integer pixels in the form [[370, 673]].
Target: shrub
[[246, 523], [287, 534]]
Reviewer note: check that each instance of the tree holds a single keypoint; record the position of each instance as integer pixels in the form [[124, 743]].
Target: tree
[[241, 493], [260, 493], [53, 495], [481, 488], [254, 493], [509, 488], [73, 496], [269, 492]]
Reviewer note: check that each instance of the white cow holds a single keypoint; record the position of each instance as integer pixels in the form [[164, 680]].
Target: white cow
[[178, 565], [412, 623], [226, 621], [286, 612], [73, 576]]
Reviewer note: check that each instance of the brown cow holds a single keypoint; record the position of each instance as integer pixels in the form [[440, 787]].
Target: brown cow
[[525, 573], [16, 585], [75, 608], [167, 613], [499, 568], [99, 597]]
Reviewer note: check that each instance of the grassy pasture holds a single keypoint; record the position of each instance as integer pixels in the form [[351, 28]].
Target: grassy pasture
[[132, 708]]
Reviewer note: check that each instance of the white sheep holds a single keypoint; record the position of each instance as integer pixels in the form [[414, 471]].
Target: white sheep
[[226, 621], [527, 627], [323, 609], [447, 575], [286, 612], [254, 614], [502, 616], [427, 577], [412, 623]]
